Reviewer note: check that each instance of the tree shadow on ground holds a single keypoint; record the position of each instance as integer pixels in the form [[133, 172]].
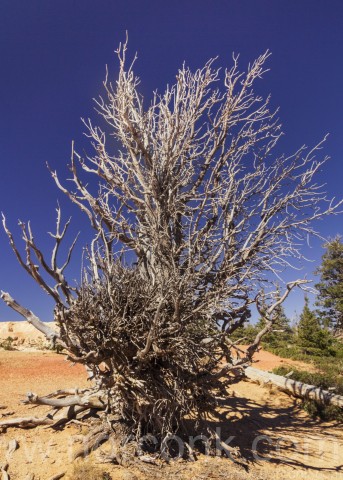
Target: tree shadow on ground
[[264, 432]]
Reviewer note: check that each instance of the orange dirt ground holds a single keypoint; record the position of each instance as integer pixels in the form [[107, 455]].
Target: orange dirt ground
[[289, 445]]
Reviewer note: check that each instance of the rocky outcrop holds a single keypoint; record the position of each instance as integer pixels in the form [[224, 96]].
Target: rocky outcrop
[[22, 335]]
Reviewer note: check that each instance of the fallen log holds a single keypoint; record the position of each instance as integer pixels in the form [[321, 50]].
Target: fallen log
[[298, 389]]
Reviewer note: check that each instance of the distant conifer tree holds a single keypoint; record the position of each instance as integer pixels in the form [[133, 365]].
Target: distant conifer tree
[[330, 287], [312, 337]]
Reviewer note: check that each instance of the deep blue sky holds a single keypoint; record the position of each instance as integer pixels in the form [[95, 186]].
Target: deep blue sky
[[53, 56]]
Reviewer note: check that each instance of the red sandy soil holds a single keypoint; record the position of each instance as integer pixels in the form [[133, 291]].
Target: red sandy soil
[[289, 444], [267, 361]]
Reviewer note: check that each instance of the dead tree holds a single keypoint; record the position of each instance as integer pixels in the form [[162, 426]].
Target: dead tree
[[194, 215]]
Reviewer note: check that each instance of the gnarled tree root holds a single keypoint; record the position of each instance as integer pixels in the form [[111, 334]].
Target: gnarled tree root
[[70, 405], [93, 441], [89, 398], [26, 422], [125, 443]]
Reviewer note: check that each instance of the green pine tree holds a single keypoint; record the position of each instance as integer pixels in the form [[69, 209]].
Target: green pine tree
[[312, 338], [246, 333], [330, 287]]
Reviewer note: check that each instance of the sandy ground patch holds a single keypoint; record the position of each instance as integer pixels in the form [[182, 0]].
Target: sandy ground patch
[[267, 361]]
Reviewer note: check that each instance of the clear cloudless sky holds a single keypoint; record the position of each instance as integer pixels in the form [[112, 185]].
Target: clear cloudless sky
[[52, 61]]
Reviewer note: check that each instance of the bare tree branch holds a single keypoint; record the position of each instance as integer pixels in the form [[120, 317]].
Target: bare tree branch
[[49, 333]]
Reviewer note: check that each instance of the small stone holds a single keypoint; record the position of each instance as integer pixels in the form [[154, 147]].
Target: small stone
[[4, 475], [13, 445]]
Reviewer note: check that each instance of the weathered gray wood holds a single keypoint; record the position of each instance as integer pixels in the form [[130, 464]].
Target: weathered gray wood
[[4, 475], [49, 333], [91, 400], [25, 422], [298, 389], [3, 471]]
